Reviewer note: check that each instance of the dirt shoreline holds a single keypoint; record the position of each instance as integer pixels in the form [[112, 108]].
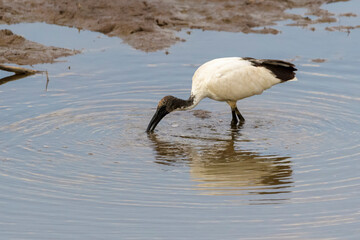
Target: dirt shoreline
[[152, 25], [18, 50]]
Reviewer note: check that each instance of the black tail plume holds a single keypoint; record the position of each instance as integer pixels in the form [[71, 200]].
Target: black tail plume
[[282, 70]]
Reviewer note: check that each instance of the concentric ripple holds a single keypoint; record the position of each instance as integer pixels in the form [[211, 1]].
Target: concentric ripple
[[76, 159], [298, 147]]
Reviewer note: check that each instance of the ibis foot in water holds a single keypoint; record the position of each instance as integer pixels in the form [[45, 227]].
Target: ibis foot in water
[[228, 80], [235, 114]]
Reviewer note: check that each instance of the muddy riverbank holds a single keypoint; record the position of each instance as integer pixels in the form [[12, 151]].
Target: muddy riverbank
[[154, 25], [16, 49]]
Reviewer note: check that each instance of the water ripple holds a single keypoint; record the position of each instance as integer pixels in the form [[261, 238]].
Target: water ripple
[[78, 155]]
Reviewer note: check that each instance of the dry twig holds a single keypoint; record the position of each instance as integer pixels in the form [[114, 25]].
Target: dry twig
[[18, 70]]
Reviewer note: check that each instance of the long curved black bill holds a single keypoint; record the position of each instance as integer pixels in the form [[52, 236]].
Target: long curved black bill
[[159, 114]]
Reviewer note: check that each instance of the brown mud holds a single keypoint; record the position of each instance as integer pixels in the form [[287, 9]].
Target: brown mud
[[16, 49], [151, 25]]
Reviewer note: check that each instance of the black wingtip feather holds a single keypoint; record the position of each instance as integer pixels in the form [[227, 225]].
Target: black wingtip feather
[[282, 70]]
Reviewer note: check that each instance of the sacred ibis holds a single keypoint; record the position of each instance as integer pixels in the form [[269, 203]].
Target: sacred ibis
[[229, 80]]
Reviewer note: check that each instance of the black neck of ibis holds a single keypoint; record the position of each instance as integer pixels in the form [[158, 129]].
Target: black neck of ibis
[[181, 104]]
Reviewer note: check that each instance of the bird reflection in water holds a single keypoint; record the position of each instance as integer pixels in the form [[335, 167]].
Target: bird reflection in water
[[220, 168]]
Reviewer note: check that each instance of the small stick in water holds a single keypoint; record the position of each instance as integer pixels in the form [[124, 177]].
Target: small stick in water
[[47, 80], [18, 70]]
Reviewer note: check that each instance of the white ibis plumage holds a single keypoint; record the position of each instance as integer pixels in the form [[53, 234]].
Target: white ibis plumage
[[229, 80]]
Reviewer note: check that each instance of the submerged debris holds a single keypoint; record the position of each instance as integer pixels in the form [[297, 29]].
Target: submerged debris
[[201, 114], [318, 60]]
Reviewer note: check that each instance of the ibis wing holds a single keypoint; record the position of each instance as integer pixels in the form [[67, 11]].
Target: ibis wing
[[284, 71], [238, 79], [232, 79]]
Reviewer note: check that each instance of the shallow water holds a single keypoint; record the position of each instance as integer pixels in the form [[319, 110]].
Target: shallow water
[[75, 159]]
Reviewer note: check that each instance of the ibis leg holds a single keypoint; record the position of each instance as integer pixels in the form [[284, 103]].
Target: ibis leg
[[236, 115], [241, 118], [234, 120]]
